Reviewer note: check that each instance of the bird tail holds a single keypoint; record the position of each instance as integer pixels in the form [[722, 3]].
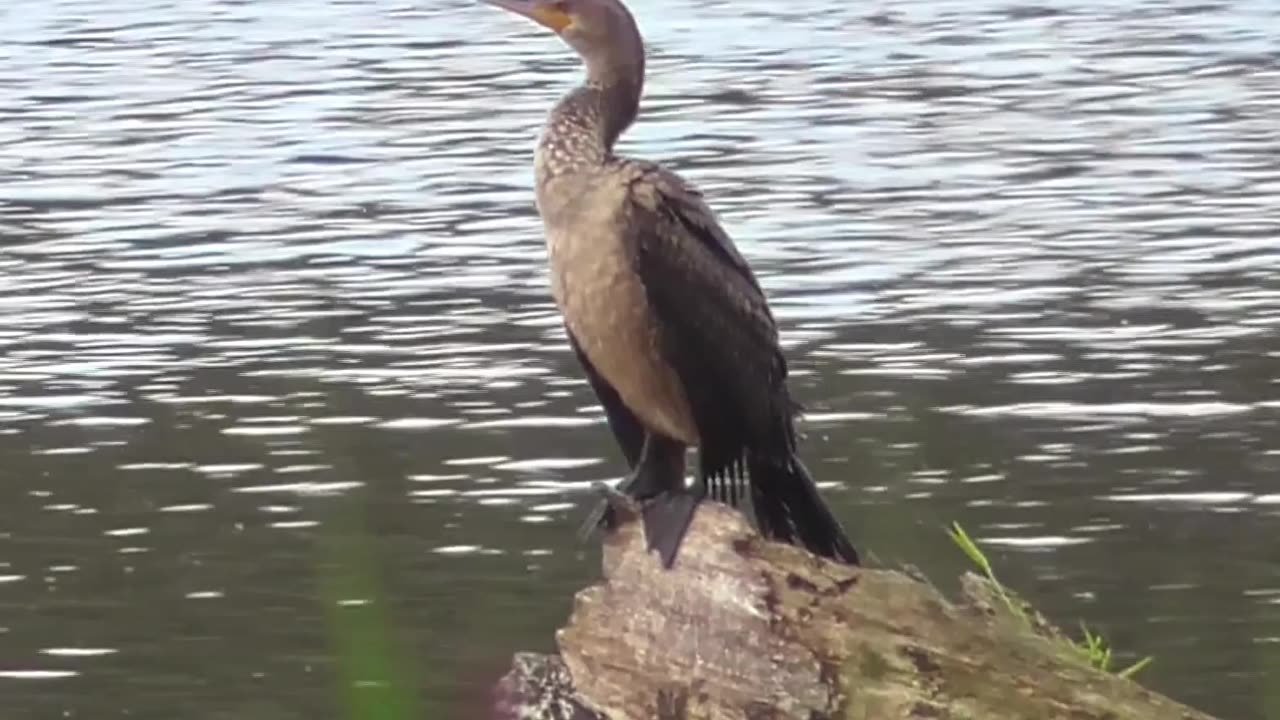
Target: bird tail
[[789, 508]]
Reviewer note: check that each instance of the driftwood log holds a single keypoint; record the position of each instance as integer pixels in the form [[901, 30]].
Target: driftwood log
[[745, 629]]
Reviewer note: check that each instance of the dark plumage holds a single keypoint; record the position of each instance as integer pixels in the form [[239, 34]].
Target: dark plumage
[[665, 316]]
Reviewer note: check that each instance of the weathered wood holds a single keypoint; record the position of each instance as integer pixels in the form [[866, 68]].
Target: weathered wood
[[746, 629]]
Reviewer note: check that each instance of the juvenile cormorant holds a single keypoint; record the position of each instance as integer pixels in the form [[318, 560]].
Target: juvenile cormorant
[[665, 316]]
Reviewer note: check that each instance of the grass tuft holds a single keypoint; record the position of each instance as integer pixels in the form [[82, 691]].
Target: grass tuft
[[1093, 647]]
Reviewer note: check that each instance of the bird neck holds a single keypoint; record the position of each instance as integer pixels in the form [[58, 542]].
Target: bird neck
[[586, 123]]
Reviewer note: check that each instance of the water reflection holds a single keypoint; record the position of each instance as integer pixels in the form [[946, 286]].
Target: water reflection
[[263, 263]]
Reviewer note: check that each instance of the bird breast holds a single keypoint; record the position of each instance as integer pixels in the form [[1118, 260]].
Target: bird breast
[[595, 284]]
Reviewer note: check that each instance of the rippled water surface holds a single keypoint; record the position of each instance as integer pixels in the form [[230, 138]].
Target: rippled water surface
[[271, 279]]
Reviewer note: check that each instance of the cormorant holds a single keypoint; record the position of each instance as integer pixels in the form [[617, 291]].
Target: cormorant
[[665, 316]]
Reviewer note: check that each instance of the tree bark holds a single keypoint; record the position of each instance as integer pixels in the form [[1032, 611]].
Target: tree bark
[[745, 629]]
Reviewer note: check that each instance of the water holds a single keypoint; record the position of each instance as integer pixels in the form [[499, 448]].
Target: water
[[270, 270]]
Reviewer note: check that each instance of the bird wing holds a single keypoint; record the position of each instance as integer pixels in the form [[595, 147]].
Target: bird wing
[[716, 329], [667, 193]]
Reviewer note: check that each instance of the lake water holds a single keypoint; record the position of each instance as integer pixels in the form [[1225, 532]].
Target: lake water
[[277, 352]]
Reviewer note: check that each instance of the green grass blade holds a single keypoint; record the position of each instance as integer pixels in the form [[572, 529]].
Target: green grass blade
[[971, 549], [1136, 668]]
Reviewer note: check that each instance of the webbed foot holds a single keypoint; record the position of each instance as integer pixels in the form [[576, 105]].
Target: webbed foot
[[615, 506], [666, 521]]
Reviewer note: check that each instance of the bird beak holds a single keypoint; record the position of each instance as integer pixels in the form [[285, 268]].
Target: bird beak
[[539, 11]]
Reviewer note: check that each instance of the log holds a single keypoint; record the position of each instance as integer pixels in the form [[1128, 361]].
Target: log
[[746, 629]]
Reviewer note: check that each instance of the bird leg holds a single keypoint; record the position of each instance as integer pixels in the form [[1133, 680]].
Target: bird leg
[[639, 484], [666, 505]]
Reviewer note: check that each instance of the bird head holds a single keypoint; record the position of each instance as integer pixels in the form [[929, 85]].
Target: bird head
[[603, 32]]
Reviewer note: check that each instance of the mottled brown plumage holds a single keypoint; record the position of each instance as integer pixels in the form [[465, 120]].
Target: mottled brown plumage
[[664, 314]]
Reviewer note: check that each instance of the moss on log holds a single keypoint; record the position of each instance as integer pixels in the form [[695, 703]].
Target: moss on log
[[745, 629]]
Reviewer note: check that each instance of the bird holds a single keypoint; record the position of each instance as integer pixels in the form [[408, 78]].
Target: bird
[[664, 315]]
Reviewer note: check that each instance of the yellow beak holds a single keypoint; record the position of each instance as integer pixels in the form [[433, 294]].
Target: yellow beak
[[538, 11]]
